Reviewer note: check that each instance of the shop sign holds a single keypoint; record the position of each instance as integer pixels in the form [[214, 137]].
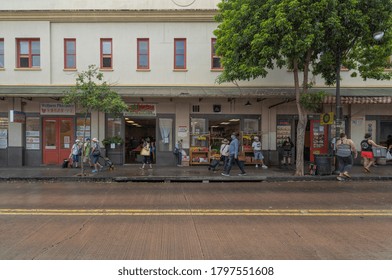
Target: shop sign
[[141, 110], [326, 118], [17, 117], [57, 109]]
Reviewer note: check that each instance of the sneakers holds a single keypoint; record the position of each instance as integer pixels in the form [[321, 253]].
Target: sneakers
[[225, 174], [264, 166], [257, 165], [94, 171], [346, 175], [242, 174], [340, 178]]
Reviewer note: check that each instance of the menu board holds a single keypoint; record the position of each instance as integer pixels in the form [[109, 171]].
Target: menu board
[[3, 133], [283, 130]]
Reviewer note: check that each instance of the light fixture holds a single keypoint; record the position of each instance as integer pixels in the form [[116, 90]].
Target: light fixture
[[248, 103], [234, 120], [224, 123]]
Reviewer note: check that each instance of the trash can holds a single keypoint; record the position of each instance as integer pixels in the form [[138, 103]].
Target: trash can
[[324, 164]]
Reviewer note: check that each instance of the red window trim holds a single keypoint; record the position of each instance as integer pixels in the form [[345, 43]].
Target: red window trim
[[175, 53], [29, 55], [213, 55], [66, 55], [106, 55], [138, 66], [2, 40]]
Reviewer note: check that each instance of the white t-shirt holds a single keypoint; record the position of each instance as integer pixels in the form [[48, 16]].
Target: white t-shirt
[[256, 145], [224, 150]]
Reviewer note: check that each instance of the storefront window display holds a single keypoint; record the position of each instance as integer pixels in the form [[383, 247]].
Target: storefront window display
[[33, 141], [80, 127], [3, 133]]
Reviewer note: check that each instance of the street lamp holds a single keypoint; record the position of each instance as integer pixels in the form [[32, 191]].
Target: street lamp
[[339, 110]]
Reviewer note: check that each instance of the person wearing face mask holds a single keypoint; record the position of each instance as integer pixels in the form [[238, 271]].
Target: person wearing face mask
[[233, 157]]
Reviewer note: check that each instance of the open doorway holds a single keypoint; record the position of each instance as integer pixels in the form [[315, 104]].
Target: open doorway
[[137, 129]]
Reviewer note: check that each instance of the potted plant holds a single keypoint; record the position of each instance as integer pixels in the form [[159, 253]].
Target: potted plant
[[112, 141]]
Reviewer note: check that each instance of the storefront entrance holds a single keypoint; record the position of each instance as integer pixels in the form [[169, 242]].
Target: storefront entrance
[[58, 134], [137, 129]]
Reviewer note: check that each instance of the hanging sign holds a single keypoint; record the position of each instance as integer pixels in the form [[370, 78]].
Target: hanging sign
[[57, 109], [141, 110], [326, 118]]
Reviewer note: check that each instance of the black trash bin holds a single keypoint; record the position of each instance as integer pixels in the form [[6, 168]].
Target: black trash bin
[[324, 164]]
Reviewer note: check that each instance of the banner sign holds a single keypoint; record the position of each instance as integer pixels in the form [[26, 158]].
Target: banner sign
[[57, 109], [141, 110], [17, 117]]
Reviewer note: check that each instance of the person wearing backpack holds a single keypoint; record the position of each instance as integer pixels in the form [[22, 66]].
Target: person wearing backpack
[[367, 146], [76, 152], [344, 150]]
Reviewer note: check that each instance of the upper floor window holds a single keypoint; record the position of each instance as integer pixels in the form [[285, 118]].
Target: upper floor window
[[143, 53], [29, 53], [1, 53], [215, 60], [179, 53], [106, 54], [69, 53]]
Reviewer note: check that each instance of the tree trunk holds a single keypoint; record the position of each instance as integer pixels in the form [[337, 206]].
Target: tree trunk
[[301, 127]]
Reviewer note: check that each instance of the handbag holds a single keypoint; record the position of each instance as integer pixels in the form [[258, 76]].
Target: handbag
[[241, 157], [389, 155], [145, 151]]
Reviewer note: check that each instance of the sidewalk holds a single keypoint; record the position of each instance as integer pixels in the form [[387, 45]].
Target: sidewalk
[[133, 173]]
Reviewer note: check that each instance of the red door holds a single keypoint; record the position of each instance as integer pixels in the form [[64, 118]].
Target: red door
[[58, 136]]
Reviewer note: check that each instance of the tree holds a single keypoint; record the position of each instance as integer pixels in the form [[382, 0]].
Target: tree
[[254, 36], [91, 93]]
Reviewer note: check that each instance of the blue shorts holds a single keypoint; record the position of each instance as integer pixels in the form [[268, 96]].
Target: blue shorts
[[95, 159], [258, 155], [75, 158]]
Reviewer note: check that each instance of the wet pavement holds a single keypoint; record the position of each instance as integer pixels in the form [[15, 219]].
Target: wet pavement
[[133, 173]]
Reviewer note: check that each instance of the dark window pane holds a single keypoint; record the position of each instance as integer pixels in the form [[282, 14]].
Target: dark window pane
[[216, 62], [107, 62], [24, 62]]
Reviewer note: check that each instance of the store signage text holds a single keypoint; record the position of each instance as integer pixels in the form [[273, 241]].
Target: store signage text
[[141, 110], [17, 117], [57, 109]]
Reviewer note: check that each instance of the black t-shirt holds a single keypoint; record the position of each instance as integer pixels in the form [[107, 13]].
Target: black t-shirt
[[366, 146]]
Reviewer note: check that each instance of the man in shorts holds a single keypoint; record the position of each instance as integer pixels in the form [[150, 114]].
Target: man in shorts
[[256, 146]]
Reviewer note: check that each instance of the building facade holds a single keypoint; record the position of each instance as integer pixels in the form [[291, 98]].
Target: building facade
[[159, 56]]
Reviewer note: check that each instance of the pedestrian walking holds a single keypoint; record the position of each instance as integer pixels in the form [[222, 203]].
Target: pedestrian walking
[[258, 155], [87, 152], [367, 146], [146, 152], [233, 157], [345, 149], [224, 153], [178, 153], [75, 153], [287, 146], [96, 153]]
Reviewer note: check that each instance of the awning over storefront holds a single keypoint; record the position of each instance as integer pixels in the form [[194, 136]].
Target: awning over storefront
[[359, 100]]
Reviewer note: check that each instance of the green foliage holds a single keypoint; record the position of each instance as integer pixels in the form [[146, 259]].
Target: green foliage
[[313, 101], [92, 93], [113, 140]]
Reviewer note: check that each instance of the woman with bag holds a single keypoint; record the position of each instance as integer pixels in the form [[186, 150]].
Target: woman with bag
[[146, 152], [96, 153], [344, 150], [367, 146]]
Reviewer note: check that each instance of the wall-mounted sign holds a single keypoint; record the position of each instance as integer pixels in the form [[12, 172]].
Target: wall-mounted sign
[[141, 110], [57, 109], [17, 117], [326, 118]]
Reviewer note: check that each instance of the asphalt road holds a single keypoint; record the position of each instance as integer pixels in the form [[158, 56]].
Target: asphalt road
[[196, 221]]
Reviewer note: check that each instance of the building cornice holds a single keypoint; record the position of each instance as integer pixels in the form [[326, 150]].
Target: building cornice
[[67, 16]]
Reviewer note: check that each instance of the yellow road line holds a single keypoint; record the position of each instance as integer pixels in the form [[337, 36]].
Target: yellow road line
[[197, 212]]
